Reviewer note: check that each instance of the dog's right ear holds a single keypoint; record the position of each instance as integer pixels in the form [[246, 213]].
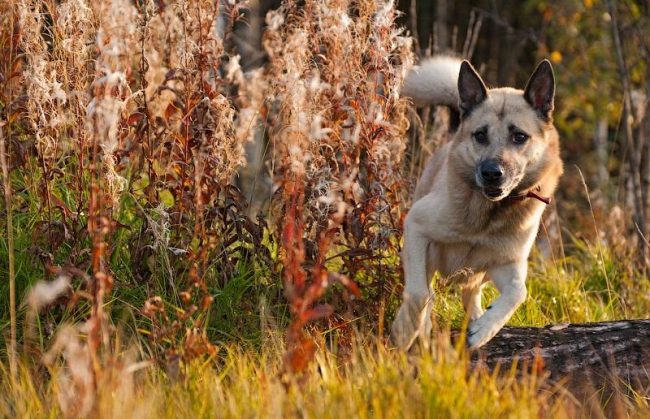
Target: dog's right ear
[[471, 89], [540, 89]]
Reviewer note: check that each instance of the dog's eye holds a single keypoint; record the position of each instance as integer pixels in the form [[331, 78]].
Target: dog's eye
[[480, 137], [519, 138]]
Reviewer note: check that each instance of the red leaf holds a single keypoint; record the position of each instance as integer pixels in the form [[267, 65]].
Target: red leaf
[[171, 109], [319, 312], [135, 118], [347, 283], [298, 358]]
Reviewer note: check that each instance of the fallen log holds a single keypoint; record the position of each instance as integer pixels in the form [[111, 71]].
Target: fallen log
[[592, 354]]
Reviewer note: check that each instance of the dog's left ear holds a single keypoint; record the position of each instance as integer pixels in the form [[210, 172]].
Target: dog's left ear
[[540, 89], [471, 89]]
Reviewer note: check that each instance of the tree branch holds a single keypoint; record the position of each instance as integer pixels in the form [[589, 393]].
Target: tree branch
[[589, 353]]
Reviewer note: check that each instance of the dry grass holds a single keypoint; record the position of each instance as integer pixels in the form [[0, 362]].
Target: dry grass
[[373, 383]]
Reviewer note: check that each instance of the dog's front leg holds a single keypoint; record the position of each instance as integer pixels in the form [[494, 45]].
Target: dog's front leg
[[413, 318], [510, 280]]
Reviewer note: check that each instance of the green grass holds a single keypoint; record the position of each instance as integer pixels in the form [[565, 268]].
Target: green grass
[[589, 286]]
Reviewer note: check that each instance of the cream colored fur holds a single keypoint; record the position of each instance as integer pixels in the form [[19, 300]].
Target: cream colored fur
[[433, 82], [456, 226]]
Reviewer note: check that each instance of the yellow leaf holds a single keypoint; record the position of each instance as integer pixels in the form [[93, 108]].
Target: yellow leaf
[[556, 57], [166, 198]]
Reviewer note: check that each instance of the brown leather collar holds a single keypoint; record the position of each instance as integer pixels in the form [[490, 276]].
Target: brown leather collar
[[529, 194]]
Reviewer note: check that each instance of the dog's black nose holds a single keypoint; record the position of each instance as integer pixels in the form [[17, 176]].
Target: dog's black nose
[[491, 171]]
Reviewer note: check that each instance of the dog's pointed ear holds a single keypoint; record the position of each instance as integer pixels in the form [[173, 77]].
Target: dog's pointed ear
[[471, 89], [540, 89]]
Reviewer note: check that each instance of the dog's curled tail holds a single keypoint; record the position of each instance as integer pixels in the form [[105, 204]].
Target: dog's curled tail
[[433, 82]]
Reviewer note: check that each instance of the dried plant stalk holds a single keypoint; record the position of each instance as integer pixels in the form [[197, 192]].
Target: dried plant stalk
[[6, 184], [338, 133]]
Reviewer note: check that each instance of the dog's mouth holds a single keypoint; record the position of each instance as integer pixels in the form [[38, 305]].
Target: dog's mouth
[[494, 193]]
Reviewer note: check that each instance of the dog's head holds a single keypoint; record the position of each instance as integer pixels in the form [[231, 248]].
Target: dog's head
[[506, 140]]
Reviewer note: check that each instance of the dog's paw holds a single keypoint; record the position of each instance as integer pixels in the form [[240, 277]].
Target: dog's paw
[[405, 327], [411, 322], [481, 331], [476, 314]]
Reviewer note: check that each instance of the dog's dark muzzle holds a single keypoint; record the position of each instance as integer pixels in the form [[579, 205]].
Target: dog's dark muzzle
[[491, 175]]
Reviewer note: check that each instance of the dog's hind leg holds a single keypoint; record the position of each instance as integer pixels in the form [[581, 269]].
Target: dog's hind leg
[[510, 280], [413, 319]]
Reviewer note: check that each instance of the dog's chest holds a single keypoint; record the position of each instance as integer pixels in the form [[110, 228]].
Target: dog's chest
[[482, 253]]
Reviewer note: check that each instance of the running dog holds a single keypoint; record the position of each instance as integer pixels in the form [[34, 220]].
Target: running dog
[[479, 202]]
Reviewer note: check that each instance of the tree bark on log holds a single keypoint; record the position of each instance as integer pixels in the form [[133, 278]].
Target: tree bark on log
[[590, 354]]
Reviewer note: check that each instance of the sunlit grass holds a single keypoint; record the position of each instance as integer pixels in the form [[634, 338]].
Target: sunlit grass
[[584, 287], [374, 382]]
